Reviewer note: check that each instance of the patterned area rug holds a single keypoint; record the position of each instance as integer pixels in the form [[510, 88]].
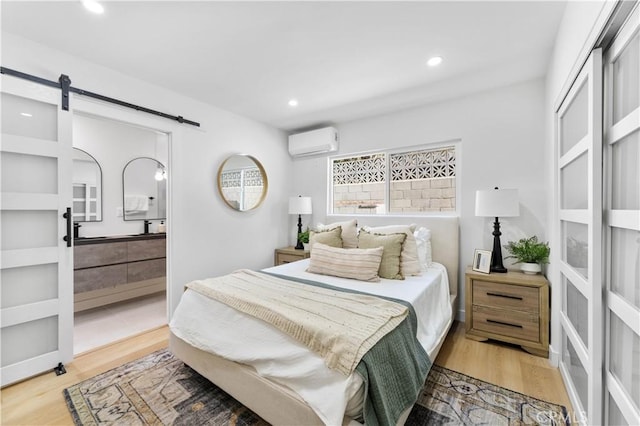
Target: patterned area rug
[[161, 390]]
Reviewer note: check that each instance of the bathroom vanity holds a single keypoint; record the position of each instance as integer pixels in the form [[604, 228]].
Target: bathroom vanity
[[113, 269]]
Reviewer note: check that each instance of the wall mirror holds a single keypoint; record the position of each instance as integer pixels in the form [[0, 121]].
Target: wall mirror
[[242, 182], [87, 187], [144, 182]]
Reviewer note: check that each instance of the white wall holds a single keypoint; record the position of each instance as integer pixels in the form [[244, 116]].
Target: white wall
[[502, 134], [581, 24], [206, 238]]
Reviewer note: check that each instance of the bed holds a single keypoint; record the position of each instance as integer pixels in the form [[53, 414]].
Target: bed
[[273, 387]]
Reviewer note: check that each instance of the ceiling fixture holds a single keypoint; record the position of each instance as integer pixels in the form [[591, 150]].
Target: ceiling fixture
[[293, 103], [436, 60], [26, 114], [93, 6]]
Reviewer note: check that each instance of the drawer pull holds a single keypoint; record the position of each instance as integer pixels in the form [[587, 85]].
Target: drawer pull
[[506, 296], [503, 323]]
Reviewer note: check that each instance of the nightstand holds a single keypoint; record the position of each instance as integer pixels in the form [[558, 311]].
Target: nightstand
[[512, 307], [289, 254]]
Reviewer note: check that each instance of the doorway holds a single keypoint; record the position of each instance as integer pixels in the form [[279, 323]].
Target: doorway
[[119, 210]]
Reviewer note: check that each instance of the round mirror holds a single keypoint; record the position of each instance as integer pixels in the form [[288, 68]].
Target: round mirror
[[242, 182], [144, 183], [87, 187]]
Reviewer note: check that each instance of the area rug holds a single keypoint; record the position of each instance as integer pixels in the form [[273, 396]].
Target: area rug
[[161, 390]]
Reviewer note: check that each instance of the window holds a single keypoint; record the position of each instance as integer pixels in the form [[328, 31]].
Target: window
[[417, 181]]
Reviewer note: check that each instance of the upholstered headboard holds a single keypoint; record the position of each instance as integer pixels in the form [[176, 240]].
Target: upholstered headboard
[[445, 245]]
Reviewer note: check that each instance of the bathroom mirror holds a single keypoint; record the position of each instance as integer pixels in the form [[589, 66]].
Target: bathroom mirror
[[242, 182], [144, 182], [87, 187]]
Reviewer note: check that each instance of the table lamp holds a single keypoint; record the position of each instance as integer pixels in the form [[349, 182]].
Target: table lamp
[[299, 205], [497, 203]]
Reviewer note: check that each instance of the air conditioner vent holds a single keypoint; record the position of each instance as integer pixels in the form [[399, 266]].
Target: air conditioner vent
[[313, 142]]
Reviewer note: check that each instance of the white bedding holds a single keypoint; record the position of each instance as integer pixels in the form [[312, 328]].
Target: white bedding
[[214, 327]]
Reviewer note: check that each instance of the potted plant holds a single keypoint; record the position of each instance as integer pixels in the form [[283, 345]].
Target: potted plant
[[303, 237], [530, 252]]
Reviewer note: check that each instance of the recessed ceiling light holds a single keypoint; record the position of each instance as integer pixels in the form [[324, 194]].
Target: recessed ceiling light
[[436, 60], [93, 6], [293, 103], [26, 114]]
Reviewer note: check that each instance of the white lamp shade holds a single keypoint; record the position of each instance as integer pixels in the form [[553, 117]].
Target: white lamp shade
[[299, 205], [497, 203]]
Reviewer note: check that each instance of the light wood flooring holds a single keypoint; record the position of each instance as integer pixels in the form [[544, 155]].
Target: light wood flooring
[[39, 401]]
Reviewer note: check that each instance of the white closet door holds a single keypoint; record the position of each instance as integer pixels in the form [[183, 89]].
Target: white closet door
[[579, 151], [36, 265], [622, 225]]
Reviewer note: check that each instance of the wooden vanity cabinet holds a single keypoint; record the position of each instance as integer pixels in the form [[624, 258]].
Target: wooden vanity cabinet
[[115, 269]]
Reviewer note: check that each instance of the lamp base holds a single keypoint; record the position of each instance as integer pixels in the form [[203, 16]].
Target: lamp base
[[496, 254], [299, 246]]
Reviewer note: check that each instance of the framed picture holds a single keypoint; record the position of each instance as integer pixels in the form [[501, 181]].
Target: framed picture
[[482, 261]]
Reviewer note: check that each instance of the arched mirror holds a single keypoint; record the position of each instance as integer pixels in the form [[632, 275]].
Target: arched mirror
[[87, 187], [242, 182], [144, 182]]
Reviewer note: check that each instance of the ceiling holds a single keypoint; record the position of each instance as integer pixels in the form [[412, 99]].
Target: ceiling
[[341, 60]]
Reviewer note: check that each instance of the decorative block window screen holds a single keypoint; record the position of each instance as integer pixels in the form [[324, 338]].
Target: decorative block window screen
[[408, 182]]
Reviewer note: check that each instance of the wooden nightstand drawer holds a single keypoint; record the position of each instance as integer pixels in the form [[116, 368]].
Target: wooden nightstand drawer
[[520, 325], [288, 258], [507, 296], [289, 254]]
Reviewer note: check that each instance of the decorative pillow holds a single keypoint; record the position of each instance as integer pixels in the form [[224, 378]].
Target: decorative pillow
[[392, 245], [331, 237], [349, 232], [357, 264], [423, 242], [409, 262]]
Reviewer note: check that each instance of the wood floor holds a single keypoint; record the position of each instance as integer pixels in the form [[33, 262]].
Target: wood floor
[[39, 401]]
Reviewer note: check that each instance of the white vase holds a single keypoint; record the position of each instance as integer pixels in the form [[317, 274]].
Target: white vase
[[306, 246], [530, 268]]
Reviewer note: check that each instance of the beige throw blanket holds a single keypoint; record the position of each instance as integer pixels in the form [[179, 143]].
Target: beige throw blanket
[[340, 327]]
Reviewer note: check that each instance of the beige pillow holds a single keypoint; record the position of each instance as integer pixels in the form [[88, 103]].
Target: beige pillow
[[357, 264], [331, 237], [409, 261], [349, 232], [392, 245]]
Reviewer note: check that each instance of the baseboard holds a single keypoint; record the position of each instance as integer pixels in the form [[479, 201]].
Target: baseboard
[[554, 356]]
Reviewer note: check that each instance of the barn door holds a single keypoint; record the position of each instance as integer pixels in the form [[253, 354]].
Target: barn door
[[36, 264]]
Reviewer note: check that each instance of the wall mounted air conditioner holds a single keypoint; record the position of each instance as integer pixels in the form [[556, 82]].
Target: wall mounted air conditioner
[[317, 141]]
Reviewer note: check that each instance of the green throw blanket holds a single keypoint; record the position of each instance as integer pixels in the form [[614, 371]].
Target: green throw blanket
[[394, 370]]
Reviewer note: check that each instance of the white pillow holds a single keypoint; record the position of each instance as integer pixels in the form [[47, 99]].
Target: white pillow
[[349, 232], [423, 241], [357, 264], [409, 261]]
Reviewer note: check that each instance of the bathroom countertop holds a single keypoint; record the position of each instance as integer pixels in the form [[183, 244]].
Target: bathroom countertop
[[117, 238]]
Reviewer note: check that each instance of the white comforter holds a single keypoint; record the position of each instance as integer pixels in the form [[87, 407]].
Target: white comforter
[[214, 327]]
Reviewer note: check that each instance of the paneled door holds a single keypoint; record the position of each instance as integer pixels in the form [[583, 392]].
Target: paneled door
[[622, 225], [579, 157], [36, 265]]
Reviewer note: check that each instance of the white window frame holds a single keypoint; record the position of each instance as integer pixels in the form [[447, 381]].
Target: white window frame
[[455, 143]]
